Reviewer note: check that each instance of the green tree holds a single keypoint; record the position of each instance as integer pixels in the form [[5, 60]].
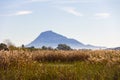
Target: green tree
[[23, 46], [63, 47], [44, 47], [50, 48], [3, 46]]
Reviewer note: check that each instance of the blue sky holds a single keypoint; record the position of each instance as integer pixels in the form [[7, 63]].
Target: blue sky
[[95, 22]]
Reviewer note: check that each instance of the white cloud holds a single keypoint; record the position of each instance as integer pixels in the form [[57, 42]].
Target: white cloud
[[102, 15], [18, 13], [23, 13], [72, 10]]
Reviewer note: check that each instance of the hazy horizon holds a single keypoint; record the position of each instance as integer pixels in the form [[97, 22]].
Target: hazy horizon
[[93, 22]]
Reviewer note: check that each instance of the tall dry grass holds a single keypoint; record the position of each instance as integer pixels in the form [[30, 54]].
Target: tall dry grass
[[7, 57]]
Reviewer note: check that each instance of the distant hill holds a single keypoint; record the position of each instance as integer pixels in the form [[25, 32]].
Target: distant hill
[[52, 39], [117, 48]]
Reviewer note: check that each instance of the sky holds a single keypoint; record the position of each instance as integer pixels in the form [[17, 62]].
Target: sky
[[95, 22]]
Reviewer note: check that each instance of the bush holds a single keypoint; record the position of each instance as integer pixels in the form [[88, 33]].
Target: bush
[[63, 47], [3, 46], [44, 47], [47, 48]]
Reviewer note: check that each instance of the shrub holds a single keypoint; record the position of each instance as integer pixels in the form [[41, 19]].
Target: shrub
[[44, 47], [3, 46], [63, 47]]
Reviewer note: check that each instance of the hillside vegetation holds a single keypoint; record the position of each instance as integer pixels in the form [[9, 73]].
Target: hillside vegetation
[[27, 64]]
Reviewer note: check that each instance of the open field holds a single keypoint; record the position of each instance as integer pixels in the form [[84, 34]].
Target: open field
[[23, 64]]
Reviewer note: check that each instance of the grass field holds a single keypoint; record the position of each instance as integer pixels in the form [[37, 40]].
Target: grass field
[[23, 64]]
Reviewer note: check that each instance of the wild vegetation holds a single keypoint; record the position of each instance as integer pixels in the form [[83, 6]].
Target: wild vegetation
[[38, 64]]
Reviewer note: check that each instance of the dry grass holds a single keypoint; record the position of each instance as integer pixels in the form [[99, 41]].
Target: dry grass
[[110, 56], [60, 65], [7, 57], [60, 56]]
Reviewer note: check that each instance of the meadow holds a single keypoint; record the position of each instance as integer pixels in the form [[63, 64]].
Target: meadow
[[25, 64]]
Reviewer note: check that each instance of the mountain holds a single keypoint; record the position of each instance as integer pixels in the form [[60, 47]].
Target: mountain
[[52, 39]]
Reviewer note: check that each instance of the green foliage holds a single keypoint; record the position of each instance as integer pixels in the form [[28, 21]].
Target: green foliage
[[23, 46], [32, 48], [50, 48], [46, 48], [3, 46], [63, 47], [60, 71]]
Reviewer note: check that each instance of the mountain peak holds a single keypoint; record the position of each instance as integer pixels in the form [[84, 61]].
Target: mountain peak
[[49, 34], [49, 31]]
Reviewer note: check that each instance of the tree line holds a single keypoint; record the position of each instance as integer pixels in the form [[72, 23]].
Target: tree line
[[5, 47]]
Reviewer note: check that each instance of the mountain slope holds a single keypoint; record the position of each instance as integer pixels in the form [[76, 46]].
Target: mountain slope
[[52, 39]]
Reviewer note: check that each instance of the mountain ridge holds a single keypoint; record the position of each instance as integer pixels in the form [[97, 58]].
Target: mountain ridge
[[52, 39]]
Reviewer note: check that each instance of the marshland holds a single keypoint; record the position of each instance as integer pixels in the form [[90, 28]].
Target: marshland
[[38, 64]]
